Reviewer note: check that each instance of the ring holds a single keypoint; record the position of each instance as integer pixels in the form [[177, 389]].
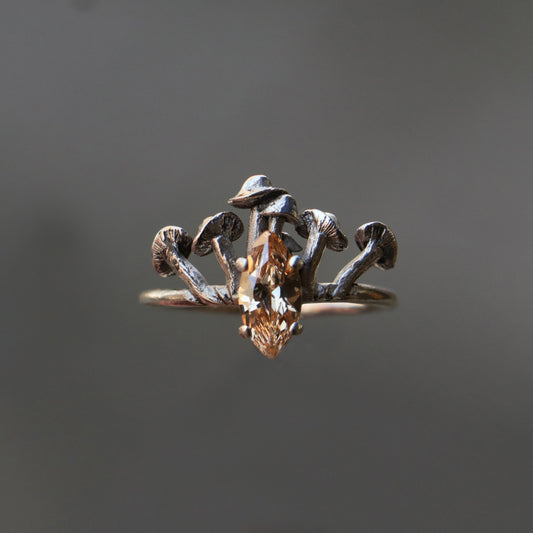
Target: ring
[[272, 286]]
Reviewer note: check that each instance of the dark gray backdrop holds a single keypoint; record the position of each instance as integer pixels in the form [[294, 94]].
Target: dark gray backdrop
[[121, 116]]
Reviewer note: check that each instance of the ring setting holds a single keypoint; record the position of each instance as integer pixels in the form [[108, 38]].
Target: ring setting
[[273, 286]]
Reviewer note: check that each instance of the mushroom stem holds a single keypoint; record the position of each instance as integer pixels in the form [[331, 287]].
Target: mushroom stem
[[226, 257], [345, 279], [276, 224], [191, 276], [314, 249], [258, 224], [378, 248]]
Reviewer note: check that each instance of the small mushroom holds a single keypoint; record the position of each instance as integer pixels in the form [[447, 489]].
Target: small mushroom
[[255, 191], [378, 234], [216, 234], [378, 248], [170, 249], [280, 210], [245, 332], [296, 328], [164, 263], [322, 231]]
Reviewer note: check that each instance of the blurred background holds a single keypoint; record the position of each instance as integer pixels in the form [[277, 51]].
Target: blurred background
[[121, 116]]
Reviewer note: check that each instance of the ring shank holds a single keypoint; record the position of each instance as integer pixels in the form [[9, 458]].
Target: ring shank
[[362, 298]]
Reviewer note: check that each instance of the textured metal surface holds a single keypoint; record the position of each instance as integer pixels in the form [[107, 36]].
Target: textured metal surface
[[272, 208], [362, 298]]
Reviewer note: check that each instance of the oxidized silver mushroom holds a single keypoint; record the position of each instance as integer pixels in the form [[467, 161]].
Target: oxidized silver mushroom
[[216, 234], [165, 263], [321, 230], [170, 249], [280, 210], [379, 249], [255, 191]]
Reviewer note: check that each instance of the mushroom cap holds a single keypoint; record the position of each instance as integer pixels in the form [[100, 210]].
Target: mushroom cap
[[325, 223], [164, 238], [223, 223], [377, 231], [254, 191], [283, 206]]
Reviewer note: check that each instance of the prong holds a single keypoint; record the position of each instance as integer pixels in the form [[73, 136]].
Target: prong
[[245, 332], [242, 264], [296, 328], [296, 262]]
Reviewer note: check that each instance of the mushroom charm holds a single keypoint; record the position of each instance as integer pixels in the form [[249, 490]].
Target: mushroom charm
[[256, 191], [170, 249], [217, 233], [379, 249], [271, 285], [321, 230]]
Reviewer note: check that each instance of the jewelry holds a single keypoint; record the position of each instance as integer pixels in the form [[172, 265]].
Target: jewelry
[[272, 287]]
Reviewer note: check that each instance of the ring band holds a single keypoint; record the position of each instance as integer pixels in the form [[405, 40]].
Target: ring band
[[272, 286], [364, 298]]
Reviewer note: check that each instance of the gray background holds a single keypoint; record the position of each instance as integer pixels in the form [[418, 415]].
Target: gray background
[[121, 116]]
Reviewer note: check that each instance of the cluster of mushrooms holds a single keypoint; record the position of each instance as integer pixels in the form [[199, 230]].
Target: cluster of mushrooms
[[270, 208]]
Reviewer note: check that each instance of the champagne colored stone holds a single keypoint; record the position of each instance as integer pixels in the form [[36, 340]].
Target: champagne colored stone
[[270, 294]]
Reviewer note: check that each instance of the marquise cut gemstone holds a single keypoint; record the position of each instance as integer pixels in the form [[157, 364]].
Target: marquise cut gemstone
[[270, 294]]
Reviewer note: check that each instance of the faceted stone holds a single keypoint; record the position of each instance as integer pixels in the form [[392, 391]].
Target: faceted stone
[[270, 294]]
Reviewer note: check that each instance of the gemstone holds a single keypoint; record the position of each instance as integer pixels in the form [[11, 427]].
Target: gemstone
[[270, 294]]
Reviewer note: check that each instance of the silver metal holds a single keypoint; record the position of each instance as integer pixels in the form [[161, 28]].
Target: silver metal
[[296, 262], [255, 194], [362, 298], [170, 250], [321, 230], [297, 328], [280, 210], [216, 234], [379, 249], [245, 332], [241, 264], [270, 208]]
